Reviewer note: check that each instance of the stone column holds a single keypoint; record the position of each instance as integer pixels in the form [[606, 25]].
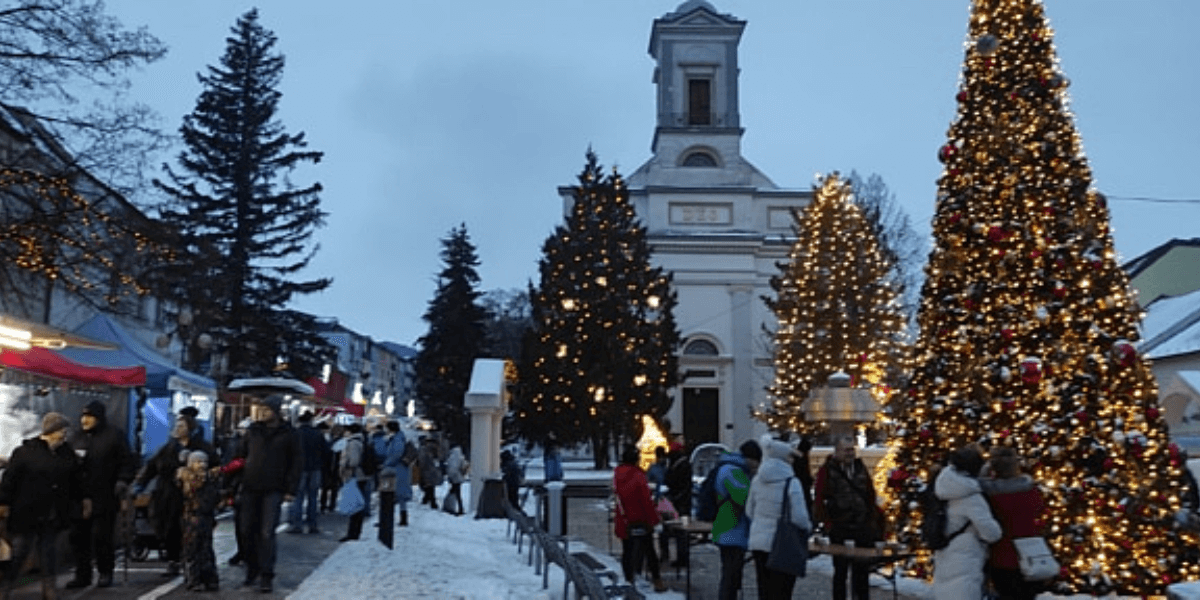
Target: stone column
[[487, 399]]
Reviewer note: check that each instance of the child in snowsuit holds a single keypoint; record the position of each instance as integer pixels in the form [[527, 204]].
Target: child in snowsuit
[[201, 496]]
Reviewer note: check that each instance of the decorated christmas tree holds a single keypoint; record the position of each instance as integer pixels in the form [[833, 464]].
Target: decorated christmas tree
[[601, 352], [1028, 326], [836, 306]]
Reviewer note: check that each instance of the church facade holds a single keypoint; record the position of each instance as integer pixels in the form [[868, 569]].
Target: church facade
[[714, 221]]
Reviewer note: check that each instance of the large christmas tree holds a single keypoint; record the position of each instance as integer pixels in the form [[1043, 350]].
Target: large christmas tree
[[1028, 325], [601, 352], [836, 306]]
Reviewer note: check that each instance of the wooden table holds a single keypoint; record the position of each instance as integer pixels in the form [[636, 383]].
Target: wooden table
[[698, 530], [877, 556]]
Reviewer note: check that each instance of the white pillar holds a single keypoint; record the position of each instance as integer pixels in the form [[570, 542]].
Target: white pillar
[[487, 399]]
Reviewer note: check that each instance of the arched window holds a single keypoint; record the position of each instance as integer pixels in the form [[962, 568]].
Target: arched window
[[699, 159], [700, 348]]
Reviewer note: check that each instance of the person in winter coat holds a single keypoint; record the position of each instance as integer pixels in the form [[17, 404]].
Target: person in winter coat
[[108, 468], [351, 469], [678, 479], [231, 471], [431, 472], [456, 473], [42, 481], [844, 502], [731, 528], [316, 454], [274, 461], [393, 458], [166, 501], [1018, 506], [552, 461], [201, 487], [764, 506], [513, 476], [331, 479], [635, 518], [958, 568]]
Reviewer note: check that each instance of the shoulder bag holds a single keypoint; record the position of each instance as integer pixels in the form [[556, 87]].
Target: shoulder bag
[[1036, 560], [789, 548]]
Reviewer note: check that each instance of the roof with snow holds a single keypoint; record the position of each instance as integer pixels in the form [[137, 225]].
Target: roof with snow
[[1172, 326]]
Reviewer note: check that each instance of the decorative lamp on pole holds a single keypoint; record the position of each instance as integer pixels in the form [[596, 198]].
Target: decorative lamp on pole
[[840, 405]]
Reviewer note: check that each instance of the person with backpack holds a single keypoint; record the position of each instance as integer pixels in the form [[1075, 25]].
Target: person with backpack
[[1018, 506], [844, 503], [958, 568], [731, 527]]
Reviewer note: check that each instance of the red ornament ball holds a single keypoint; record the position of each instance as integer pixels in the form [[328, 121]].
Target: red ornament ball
[[1031, 370]]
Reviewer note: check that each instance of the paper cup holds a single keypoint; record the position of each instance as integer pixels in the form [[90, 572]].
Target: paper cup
[[849, 543]]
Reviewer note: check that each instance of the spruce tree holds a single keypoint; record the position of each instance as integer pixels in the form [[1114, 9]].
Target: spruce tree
[[836, 308], [457, 336], [247, 228], [1028, 326], [602, 348]]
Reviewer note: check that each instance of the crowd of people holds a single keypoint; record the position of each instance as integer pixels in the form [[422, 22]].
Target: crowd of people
[[81, 481]]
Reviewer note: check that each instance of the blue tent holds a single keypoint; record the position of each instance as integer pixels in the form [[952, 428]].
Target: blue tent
[[163, 379]]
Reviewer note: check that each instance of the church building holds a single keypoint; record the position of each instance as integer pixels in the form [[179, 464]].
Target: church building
[[716, 222]]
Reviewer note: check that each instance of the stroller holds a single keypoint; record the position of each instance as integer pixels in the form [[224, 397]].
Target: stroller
[[140, 536]]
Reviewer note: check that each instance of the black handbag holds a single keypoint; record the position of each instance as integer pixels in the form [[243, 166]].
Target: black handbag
[[789, 548]]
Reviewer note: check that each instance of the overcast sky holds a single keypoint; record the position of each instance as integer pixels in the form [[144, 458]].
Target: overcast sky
[[433, 113]]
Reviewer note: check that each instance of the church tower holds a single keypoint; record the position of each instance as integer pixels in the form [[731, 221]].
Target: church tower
[[715, 221]]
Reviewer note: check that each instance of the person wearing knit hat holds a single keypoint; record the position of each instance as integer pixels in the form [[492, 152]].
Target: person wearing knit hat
[[774, 484], [37, 491], [731, 528], [274, 462], [108, 467]]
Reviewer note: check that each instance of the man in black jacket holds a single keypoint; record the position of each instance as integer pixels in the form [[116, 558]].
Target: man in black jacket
[[271, 474], [39, 485], [108, 467]]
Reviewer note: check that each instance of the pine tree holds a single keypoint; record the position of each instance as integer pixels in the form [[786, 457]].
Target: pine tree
[[1028, 326], [602, 348], [247, 228], [457, 336], [836, 307]]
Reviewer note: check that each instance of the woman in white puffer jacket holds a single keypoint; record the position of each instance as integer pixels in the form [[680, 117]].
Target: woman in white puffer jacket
[[958, 568], [764, 505]]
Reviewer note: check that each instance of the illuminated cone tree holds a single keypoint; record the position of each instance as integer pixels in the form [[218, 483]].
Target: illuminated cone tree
[[836, 306], [601, 352], [1027, 326]]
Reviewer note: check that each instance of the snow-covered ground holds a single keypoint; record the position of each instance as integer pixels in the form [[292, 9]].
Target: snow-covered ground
[[443, 557]]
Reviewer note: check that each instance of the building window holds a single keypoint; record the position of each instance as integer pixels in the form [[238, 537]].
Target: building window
[[699, 102], [699, 159], [700, 348]]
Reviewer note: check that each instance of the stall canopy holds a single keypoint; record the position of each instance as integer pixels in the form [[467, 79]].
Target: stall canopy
[[161, 375], [50, 364]]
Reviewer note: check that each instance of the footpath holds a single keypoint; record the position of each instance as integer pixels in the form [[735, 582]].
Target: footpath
[[297, 556]]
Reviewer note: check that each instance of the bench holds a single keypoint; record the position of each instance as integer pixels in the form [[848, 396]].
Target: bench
[[522, 526], [581, 569]]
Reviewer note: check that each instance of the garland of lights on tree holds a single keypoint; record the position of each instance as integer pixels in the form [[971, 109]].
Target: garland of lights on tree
[[52, 231], [1028, 327], [836, 309]]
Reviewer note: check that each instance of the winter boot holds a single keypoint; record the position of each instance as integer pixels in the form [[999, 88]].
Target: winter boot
[[404, 518]]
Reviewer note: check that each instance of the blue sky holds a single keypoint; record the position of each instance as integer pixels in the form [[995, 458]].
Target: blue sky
[[435, 113]]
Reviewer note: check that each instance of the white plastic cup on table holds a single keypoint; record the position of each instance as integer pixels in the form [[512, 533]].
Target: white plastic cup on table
[[683, 520], [880, 545], [849, 543]]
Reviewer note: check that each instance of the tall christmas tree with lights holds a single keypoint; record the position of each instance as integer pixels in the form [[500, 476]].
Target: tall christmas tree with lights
[[836, 307], [601, 352], [1028, 326]]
